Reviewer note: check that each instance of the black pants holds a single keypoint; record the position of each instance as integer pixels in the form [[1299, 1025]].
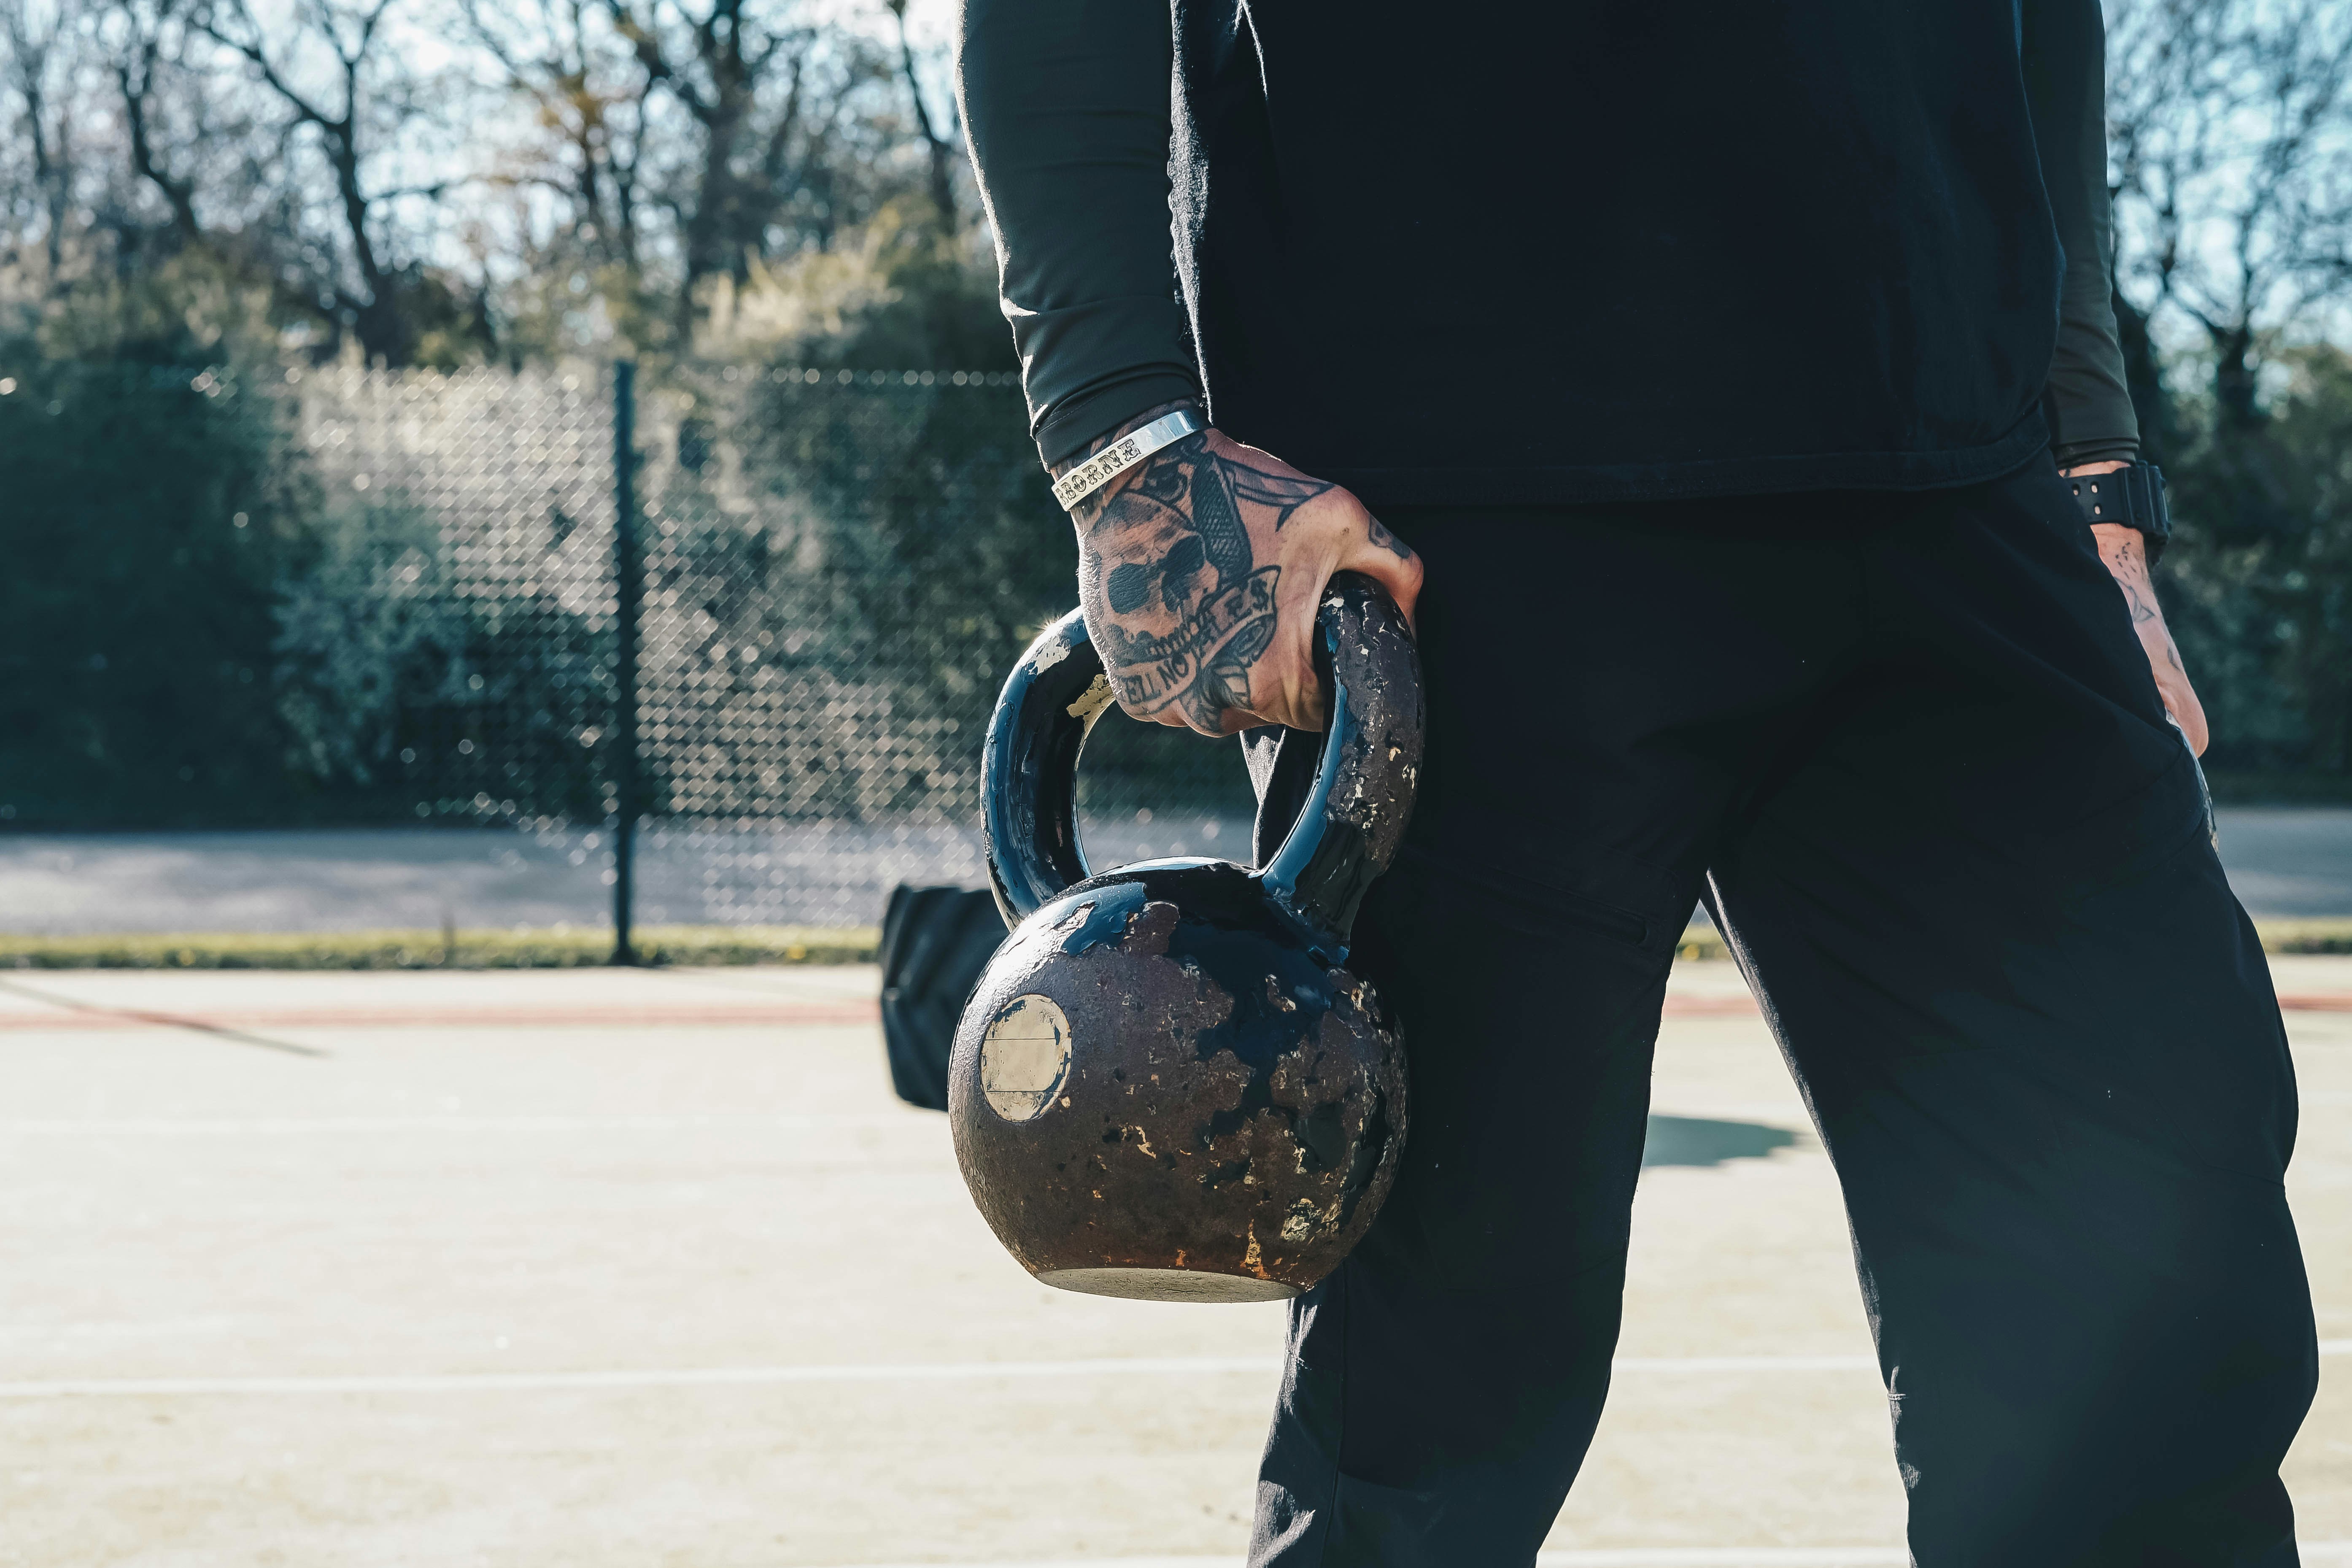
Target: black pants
[[1909, 750]]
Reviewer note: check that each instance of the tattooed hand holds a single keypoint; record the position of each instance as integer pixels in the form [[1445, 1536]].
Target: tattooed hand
[[1200, 572], [2126, 553]]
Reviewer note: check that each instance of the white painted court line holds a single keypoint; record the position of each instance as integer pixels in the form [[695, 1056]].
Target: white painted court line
[[658, 1377], [1746, 1363], [1630, 1557], [886, 1372], [266, 1126], [1730, 1557]]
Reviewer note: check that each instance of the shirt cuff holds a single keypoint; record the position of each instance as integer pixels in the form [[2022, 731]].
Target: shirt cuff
[[2074, 454], [1079, 421]]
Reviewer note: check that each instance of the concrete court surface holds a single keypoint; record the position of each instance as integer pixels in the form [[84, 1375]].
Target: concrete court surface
[[2284, 862], [619, 1267], [718, 874]]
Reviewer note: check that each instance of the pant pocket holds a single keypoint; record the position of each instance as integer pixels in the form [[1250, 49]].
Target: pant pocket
[[1373, 1526]]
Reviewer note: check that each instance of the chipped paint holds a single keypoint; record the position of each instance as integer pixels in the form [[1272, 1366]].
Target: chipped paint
[[1206, 1116], [1234, 1105], [1357, 817], [1091, 703]]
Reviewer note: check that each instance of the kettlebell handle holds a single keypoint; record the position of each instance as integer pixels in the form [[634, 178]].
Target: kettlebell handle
[[1347, 831]]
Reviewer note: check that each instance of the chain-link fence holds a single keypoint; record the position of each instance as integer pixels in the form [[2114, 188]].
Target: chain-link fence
[[828, 574], [329, 600]]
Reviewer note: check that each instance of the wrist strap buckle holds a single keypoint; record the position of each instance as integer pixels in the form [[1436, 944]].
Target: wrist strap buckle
[[2133, 496]]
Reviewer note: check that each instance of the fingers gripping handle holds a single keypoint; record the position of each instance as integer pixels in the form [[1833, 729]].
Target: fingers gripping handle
[[1354, 817]]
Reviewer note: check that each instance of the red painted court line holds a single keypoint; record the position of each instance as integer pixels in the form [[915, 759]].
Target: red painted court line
[[2289, 1001], [672, 1016], [1709, 1007], [2316, 1002]]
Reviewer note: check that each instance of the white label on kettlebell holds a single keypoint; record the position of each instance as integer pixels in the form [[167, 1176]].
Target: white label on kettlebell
[[1025, 1056]]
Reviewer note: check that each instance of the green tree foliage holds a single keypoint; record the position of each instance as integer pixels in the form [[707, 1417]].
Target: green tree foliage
[[148, 521], [874, 550], [192, 635], [852, 542], [2259, 577], [392, 682]]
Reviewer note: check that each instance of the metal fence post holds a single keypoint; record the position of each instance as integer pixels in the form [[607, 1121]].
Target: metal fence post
[[628, 573]]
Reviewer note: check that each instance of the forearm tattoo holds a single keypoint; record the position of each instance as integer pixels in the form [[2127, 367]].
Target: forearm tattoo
[[2129, 569], [1174, 592], [2130, 573]]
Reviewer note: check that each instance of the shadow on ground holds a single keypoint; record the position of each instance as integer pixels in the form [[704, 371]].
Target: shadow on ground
[[1698, 1141]]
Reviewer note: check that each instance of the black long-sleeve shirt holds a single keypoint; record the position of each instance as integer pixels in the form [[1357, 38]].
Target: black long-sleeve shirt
[[1500, 251]]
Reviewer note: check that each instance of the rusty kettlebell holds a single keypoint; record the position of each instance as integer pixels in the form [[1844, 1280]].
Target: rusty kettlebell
[[1167, 1084]]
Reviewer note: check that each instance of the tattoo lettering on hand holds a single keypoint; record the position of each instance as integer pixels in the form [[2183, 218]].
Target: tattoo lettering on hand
[[1179, 604]]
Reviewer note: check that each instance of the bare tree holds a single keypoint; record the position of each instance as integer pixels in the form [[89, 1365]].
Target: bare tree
[[2231, 134], [942, 149], [593, 104], [298, 144], [714, 64], [774, 104], [37, 41], [138, 59], [363, 92]]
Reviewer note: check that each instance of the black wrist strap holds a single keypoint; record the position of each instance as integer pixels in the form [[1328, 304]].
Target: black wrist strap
[[2133, 496]]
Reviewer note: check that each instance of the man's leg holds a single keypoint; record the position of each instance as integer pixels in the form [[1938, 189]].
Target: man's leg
[[2039, 1038], [1596, 683]]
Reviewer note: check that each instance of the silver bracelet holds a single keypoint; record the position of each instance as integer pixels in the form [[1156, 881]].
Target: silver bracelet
[[1122, 455]]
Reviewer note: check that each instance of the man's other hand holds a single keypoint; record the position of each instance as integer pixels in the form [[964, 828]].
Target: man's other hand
[[2125, 552], [1201, 570]]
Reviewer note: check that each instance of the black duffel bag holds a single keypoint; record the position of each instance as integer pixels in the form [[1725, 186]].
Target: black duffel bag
[[935, 942]]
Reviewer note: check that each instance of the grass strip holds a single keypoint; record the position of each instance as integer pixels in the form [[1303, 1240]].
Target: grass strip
[[2306, 936], [1702, 941], [534, 949], [2278, 936]]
